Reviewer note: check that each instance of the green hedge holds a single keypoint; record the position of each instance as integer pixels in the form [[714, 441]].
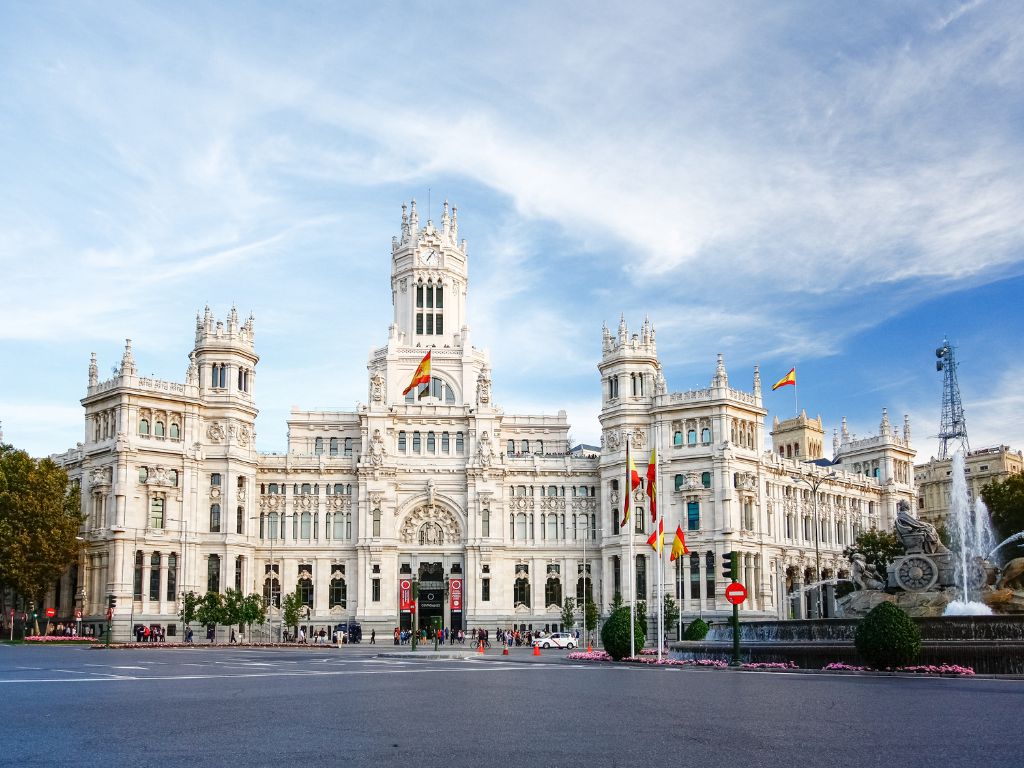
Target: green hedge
[[615, 634], [887, 637], [697, 630]]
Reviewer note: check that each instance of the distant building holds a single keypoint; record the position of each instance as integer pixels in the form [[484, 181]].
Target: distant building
[[981, 468], [495, 515]]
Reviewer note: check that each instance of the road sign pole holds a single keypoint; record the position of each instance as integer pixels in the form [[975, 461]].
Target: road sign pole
[[735, 635]]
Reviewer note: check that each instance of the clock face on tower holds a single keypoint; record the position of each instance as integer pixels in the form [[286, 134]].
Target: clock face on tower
[[430, 259]]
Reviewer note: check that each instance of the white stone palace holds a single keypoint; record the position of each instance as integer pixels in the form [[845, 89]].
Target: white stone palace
[[494, 515]]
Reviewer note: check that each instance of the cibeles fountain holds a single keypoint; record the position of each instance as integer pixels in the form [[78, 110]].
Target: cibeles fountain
[[930, 579]]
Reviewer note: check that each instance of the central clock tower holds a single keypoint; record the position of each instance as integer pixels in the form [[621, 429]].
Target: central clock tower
[[429, 280]]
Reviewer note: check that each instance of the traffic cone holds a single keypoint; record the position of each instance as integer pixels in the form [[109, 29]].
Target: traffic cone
[[480, 648], [504, 651], [536, 650], [589, 649]]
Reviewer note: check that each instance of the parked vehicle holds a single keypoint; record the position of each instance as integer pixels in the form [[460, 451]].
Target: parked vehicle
[[350, 631], [556, 640]]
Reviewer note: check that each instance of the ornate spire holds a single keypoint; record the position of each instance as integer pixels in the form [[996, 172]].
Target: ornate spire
[[623, 331], [192, 374], [885, 428], [906, 428], [845, 432], [757, 380], [94, 371], [414, 218], [721, 377], [127, 361], [835, 441]]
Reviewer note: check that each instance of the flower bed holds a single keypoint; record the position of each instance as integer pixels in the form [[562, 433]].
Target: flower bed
[[57, 639], [921, 669]]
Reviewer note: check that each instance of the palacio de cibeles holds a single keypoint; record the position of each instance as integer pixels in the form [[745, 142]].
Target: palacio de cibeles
[[495, 516]]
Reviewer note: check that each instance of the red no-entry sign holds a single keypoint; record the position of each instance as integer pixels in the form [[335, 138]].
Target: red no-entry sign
[[51, 612], [735, 593]]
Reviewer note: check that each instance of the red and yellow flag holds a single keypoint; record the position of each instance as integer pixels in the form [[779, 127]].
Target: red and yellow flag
[[632, 483], [652, 490], [679, 545], [789, 378], [657, 539], [422, 375]]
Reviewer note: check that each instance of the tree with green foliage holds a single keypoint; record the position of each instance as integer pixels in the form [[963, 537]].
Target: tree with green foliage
[[1005, 502], [617, 601], [292, 609], [887, 637], [568, 613], [210, 610], [640, 611], [615, 634], [233, 607], [591, 616], [189, 606], [40, 517], [670, 609], [254, 611], [697, 630], [878, 547]]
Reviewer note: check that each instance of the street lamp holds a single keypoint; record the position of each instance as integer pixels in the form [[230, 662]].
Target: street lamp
[[814, 483]]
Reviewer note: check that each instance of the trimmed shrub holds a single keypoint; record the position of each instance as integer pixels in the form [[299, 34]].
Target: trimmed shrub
[[615, 634], [697, 630], [887, 637]]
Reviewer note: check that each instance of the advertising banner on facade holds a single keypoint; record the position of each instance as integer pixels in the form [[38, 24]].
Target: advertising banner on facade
[[455, 587], [405, 601]]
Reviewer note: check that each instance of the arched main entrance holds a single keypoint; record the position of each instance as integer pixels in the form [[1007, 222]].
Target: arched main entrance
[[431, 568]]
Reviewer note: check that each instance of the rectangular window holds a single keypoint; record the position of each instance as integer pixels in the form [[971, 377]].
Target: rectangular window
[[419, 322], [215, 478], [375, 589], [485, 523], [430, 323], [401, 441], [485, 590], [445, 447], [419, 296], [439, 325], [430, 297], [693, 516], [238, 574], [439, 299], [156, 512], [416, 442]]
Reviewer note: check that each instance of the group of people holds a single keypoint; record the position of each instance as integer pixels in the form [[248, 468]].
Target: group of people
[[444, 636], [154, 633]]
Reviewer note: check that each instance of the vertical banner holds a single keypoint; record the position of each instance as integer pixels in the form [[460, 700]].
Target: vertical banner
[[405, 601], [455, 588]]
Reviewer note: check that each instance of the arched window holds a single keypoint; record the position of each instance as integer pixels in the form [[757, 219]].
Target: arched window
[[445, 446], [213, 574], [143, 474], [401, 441], [215, 518], [521, 592], [641, 577], [144, 427], [334, 446], [173, 477], [306, 532], [376, 523], [154, 576], [306, 592], [338, 594], [695, 575], [691, 437], [511, 450], [709, 574], [272, 591], [553, 593], [539, 448], [172, 577], [584, 583], [705, 435], [158, 429], [137, 584], [416, 442], [524, 447], [431, 443], [677, 437]]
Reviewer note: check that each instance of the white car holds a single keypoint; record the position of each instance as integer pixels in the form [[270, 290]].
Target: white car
[[556, 640]]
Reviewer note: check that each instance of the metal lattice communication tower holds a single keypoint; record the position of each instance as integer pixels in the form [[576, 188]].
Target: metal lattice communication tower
[[953, 429]]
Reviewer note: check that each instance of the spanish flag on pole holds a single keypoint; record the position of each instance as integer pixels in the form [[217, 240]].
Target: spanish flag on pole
[[632, 483], [679, 545], [422, 375], [652, 491], [789, 378], [657, 539]]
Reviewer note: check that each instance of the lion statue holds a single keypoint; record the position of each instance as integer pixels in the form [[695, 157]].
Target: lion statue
[[1011, 575]]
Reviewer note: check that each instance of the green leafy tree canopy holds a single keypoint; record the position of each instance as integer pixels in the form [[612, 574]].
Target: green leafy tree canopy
[[292, 608], [1005, 502], [568, 612], [40, 517], [670, 610], [878, 547]]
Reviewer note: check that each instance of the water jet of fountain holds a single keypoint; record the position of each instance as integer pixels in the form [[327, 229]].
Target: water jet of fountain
[[1008, 540], [972, 539]]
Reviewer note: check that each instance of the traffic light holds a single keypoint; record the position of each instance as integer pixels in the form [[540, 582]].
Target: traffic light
[[32, 609], [111, 601], [729, 563]]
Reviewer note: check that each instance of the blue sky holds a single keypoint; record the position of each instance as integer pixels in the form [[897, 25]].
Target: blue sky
[[830, 186]]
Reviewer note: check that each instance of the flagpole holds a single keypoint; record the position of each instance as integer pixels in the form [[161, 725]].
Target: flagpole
[[660, 540], [796, 401], [631, 566]]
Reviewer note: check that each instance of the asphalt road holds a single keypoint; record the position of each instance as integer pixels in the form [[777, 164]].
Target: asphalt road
[[316, 707]]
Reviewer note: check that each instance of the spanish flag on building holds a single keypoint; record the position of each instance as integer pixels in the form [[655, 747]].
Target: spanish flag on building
[[422, 375], [789, 378], [679, 545], [632, 483]]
